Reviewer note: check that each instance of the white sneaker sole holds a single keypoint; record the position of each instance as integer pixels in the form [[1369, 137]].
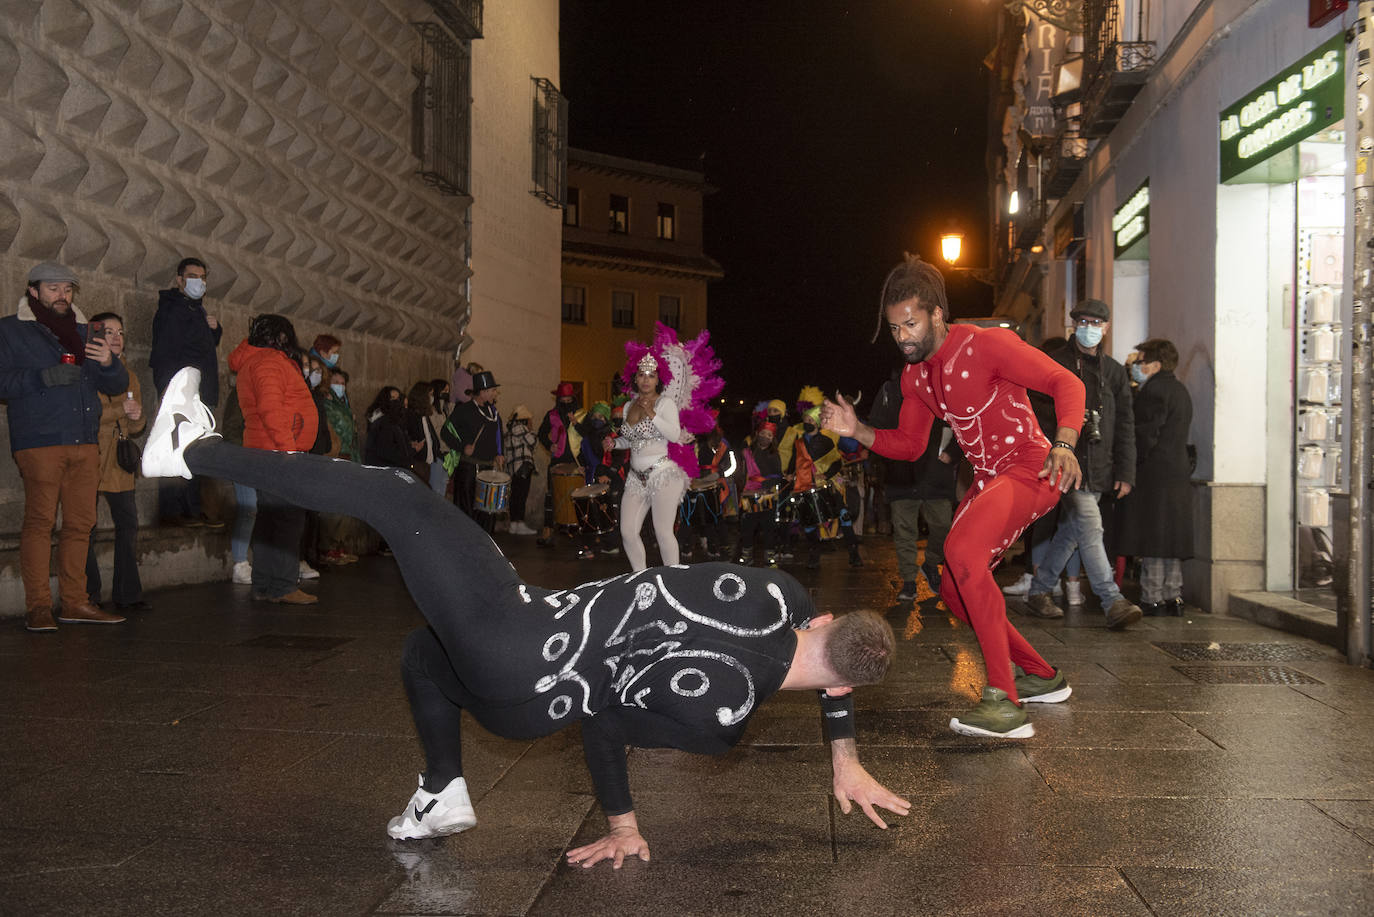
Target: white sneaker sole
[[401, 829], [1024, 731], [1054, 697]]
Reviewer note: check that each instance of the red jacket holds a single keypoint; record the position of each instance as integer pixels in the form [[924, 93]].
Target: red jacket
[[278, 412]]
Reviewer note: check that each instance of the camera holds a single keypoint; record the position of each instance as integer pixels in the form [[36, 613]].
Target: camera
[[1092, 425]]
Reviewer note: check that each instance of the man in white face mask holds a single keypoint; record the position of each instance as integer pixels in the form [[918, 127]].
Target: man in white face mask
[[1106, 453], [185, 334]]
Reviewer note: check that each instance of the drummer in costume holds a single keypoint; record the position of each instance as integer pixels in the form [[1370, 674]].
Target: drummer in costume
[[519, 442], [553, 436], [597, 502], [703, 508], [671, 383], [810, 477], [760, 481], [477, 425]]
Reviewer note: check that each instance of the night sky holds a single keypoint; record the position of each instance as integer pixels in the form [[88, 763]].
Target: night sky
[[838, 134]]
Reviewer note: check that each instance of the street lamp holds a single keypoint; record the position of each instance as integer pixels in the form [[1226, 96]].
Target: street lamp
[[951, 243]]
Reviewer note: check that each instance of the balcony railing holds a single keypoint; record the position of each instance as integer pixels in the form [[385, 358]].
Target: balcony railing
[[463, 17], [1067, 157], [1029, 224], [1114, 68]]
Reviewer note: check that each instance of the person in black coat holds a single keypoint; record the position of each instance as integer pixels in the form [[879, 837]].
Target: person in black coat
[[1155, 523]]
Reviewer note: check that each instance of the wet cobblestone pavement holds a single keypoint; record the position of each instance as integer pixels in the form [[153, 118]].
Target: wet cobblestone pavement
[[217, 756]]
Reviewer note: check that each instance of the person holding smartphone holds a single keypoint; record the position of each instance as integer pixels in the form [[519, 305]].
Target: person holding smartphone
[[52, 375]]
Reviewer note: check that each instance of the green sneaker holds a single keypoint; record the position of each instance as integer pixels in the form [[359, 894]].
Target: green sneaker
[[995, 717], [1033, 689]]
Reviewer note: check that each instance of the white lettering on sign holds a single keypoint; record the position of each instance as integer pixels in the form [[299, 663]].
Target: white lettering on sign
[[1131, 209], [1131, 231], [1278, 113], [1275, 130]]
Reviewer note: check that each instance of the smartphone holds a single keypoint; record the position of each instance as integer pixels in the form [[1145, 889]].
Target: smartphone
[[95, 331]]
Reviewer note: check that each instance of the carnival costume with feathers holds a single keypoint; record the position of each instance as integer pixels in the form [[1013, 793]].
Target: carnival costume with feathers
[[690, 374]]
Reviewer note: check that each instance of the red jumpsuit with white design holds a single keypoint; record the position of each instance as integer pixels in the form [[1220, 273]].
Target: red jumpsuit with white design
[[976, 382]]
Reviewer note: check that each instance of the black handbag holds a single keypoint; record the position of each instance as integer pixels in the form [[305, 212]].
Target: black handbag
[[128, 454]]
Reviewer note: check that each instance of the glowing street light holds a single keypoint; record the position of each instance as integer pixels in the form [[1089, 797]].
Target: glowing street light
[[950, 245]]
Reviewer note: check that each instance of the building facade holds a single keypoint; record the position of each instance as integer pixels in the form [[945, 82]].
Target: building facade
[[1194, 164], [632, 256], [365, 167]]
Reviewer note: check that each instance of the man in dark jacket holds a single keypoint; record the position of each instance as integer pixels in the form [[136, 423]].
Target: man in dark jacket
[[553, 436], [1106, 453], [52, 369], [184, 334], [923, 488], [1156, 522], [477, 425]]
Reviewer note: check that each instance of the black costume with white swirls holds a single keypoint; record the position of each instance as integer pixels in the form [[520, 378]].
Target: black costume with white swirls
[[676, 657]]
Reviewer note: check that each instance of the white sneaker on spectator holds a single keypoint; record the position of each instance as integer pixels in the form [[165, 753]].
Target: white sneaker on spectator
[[243, 573], [308, 572], [1073, 589], [1020, 587]]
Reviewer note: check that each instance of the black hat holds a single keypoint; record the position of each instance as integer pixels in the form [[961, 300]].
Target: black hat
[[483, 381], [1092, 308]]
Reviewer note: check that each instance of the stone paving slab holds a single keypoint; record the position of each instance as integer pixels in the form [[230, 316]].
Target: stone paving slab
[[190, 763]]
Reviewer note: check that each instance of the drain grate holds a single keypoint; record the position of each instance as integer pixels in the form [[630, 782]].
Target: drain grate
[[306, 642], [1245, 675], [1241, 652]]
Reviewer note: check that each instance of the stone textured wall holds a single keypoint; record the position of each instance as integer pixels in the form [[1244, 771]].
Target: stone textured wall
[[270, 138]]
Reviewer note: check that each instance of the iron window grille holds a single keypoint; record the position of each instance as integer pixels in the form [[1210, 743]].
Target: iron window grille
[[441, 110], [667, 221], [670, 311], [574, 305], [572, 215], [464, 17], [622, 309], [549, 143], [619, 213]]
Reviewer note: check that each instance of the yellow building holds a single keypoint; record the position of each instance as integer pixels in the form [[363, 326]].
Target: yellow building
[[632, 255]]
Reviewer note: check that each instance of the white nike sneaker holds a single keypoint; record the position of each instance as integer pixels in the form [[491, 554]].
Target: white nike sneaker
[[434, 814], [1020, 587], [181, 420]]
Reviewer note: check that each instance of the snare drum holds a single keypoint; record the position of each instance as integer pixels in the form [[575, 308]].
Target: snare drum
[[564, 478], [594, 509], [492, 492], [817, 506], [760, 501], [701, 503]]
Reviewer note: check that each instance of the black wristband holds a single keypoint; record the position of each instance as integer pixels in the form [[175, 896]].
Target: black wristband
[[1060, 444]]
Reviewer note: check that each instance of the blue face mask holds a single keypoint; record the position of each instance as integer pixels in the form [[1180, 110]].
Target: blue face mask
[[330, 360], [1138, 374], [337, 388], [1089, 335]]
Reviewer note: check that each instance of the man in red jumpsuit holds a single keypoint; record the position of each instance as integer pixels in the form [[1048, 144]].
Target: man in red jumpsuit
[[975, 380]]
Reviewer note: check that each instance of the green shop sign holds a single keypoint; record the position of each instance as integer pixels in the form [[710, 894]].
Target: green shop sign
[[1131, 225], [1307, 97]]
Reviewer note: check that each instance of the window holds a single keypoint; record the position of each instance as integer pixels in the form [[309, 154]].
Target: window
[[549, 143], [670, 311], [620, 213], [571, 208], [441, 110], [622, 309], [464, 17], [667, 221], [574, 305]]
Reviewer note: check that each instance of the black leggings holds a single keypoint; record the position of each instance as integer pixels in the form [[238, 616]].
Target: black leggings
[[466, 589]]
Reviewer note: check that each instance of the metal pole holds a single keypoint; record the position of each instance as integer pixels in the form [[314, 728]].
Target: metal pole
[[1357, 596]]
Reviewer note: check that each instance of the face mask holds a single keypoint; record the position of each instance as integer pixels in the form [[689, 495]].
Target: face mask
[[337, 389], [1138, 374], [314, 377], [809, 427], [1089, 335], [330, 360], [195, 287]]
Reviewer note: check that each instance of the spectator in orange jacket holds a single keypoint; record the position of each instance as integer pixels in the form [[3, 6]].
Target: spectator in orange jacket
[[279, 414]]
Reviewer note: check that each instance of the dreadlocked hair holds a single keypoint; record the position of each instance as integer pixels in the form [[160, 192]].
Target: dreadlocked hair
[[275, 332], [914, 279], [860, 648]]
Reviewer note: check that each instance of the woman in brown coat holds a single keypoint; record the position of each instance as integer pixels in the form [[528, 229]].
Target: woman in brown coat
[[122, 413]]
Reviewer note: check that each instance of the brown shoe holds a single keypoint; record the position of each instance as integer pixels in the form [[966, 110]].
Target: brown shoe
[[1041, 605], [299, 597], [1122, 614], [40, 621], [87, 614]]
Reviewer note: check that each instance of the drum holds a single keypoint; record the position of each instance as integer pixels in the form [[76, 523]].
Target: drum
[[816, 507], [594, 509], [701, 503], [564, 478], [760, 501], [492, 492]]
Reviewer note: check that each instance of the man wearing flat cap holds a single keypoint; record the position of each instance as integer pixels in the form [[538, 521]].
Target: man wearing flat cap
[[53, 368], [478, 427], [1106, 453]]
